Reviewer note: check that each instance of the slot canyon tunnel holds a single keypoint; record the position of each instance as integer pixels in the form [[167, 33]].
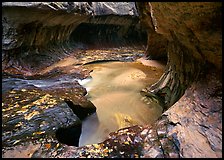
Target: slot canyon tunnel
[[68, 68]]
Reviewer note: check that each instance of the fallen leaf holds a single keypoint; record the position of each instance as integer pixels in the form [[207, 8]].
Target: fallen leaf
[[12, 92], [19, 124], [17, 141], [16, 105], [7, 109], [96, 146], [23, 110], [136, 156], [38, 133], [57, 145], [26, 106], [29, 116], [48, 145], [126, 143]]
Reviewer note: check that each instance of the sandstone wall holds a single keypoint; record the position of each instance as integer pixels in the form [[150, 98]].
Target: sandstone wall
[[190, 34], [39, 31]]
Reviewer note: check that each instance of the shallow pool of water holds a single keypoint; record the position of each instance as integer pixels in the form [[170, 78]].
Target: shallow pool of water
[[114, 88]]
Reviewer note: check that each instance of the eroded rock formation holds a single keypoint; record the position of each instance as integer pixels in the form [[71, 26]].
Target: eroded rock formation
[[187, 34], [192, 32], [191, 36], [39, 34], [44, 32]]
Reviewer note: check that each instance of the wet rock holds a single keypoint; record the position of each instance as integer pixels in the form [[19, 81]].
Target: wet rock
[[194, 129], [30, 114], [185, 37], [158, 143], [65, 87], [57, 33], [96, 8], [120, 144], [111, 54], [80, 111], [185, 44], [40, 113], [193, 125], [122, 8], [153, 153]]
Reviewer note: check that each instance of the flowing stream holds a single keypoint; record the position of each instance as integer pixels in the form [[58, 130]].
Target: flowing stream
[[114, 88]]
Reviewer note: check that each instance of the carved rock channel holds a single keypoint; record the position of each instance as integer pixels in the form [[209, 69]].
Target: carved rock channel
[[186, 35]]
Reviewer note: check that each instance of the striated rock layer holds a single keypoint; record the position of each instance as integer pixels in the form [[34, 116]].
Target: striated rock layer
[[43, 32], [39, 34], [187, 34], [191, 36], [192, 32]]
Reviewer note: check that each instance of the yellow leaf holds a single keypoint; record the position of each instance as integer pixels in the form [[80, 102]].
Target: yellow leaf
[[7, 109], [26, 106], [37, 102], [29, 116], [23, 110], [57, 145], [12, 92], [126, 143], [23, 90], [17, 141], [91, 151], [38, 133], [19, 124], [96, 146], [97, 150]]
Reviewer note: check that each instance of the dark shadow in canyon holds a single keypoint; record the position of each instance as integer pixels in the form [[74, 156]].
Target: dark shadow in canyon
[[70, 135], [81, 112], [95, 35]]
